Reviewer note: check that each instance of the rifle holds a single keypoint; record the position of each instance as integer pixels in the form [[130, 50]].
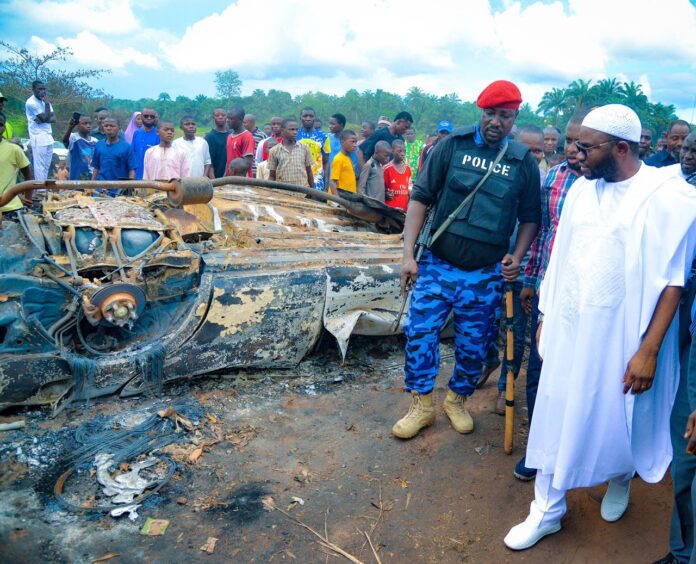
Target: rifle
[[422, 242], [425, 240]]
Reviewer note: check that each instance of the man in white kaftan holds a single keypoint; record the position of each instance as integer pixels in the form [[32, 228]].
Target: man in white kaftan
[[621, 255]]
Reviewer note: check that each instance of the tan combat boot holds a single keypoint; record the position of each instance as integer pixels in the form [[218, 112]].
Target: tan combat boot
[[420, 415], [458, 415]]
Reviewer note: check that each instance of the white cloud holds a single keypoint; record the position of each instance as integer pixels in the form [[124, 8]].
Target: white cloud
[[538, 42], [303, 34], [88, 49], [641, 29], [451, 45], [110, 17]]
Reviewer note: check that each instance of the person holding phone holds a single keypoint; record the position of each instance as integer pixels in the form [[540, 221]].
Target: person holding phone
[[80, 144]]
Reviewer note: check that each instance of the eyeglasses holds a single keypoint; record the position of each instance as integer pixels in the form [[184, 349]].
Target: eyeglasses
[[586, 148], [148, 116]]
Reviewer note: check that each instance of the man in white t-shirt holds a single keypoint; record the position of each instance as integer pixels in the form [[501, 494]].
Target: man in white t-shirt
[[196, 148], [39, 118]]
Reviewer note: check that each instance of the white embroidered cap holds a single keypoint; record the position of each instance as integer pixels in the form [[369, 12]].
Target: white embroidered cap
[[615, 119]]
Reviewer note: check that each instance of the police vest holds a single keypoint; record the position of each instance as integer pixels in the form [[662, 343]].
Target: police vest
[[489, 219]]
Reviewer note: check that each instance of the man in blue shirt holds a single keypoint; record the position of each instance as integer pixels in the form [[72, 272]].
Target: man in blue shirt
[[113, 158], [677, 132], [144, 138]]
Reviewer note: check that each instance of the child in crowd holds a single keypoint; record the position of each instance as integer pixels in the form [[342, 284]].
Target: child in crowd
[[372, 174], [397, 178], [165, 161], [61, 172], [262, 171], [342, 171], [239, 167]]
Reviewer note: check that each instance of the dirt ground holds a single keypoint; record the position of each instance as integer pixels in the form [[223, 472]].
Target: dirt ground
[[321, 433]]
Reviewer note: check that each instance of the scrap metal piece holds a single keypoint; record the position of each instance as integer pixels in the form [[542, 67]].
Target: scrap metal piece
[[191, 190], [120, 304]]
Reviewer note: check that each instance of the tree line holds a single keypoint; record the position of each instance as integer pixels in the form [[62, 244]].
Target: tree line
[[71, 91]]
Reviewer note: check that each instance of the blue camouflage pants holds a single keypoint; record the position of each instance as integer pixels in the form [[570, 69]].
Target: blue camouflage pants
[[474, 297]]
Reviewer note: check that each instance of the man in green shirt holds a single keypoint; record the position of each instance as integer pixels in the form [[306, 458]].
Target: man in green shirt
[[12, 159], [413, 150]]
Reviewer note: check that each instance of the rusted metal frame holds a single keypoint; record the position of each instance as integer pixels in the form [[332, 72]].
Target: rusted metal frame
[[29, 185]]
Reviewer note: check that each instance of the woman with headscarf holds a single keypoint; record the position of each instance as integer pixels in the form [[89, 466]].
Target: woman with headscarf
[[133, 125]]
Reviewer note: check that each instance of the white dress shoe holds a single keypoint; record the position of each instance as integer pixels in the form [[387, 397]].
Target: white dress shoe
[[528, 533], [615, 501]]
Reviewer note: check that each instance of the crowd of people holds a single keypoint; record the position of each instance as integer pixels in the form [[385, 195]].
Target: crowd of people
[[591, 230]]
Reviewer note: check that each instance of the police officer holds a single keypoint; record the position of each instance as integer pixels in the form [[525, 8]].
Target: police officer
[[464, 268]]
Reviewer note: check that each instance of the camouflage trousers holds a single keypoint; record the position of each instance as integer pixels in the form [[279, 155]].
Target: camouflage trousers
[[474, 297]]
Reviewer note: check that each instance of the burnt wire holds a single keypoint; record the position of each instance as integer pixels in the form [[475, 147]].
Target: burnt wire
[[123, 444]]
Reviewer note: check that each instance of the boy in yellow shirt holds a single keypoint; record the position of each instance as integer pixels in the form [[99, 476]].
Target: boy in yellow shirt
[[342, 171]]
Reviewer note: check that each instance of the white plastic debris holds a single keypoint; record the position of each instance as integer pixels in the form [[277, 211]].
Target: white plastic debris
[[124, 488]]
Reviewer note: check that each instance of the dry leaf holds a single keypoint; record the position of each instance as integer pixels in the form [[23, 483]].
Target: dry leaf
[[402, 483], [182, 500], [268, 503], [195, 454], [209, 545], [106, 557], [408, 500], [170, 413], [212, 418], [290, 554], [292, 506], [384, 506]]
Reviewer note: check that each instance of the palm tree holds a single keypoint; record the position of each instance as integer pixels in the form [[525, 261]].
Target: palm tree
[[659, 118], [634, 97], [553, 103], [606, 91], [578, 94]]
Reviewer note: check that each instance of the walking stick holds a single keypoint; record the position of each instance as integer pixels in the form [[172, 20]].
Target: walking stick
[[510, 376]]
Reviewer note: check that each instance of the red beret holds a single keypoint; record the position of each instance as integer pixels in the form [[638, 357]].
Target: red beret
[[500, 94]]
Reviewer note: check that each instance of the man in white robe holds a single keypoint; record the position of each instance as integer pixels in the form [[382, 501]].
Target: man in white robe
[[620, 259]]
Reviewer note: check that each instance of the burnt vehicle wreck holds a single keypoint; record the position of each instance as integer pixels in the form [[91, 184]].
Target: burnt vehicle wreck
[[102, 295]]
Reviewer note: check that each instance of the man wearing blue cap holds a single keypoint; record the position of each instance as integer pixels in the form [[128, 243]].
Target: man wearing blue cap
[[444, 128]]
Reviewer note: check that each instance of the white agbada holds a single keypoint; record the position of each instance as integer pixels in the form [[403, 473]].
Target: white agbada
[[617, 247]]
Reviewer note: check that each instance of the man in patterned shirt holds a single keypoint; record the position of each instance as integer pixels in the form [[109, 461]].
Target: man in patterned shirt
[[554, 190], [290, 161], [308, 134]]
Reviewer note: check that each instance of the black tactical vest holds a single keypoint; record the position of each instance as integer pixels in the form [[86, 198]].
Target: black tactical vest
[[489, 219]]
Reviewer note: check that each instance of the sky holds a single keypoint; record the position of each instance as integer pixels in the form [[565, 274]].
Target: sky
[[442, 46]]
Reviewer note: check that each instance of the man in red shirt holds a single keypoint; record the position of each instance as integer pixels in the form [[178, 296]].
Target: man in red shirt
[[240, 143], [397, 178]]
